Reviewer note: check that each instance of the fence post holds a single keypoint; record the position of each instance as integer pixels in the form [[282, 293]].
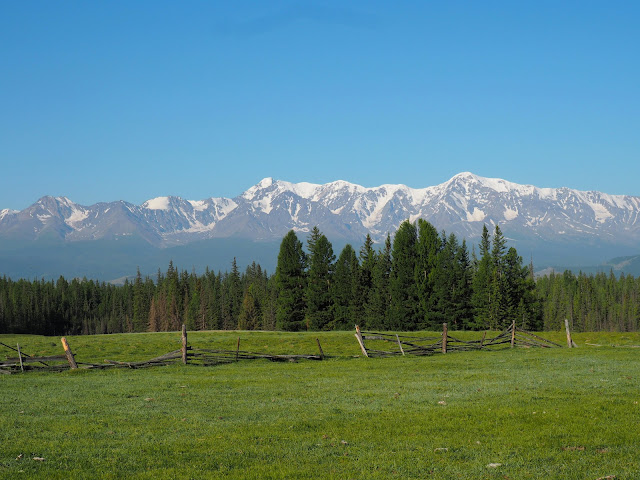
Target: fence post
[[320, 348], [400, 344], [20, 358], [184, 344], [238, 349], [513, 334], [570, 342], [361, 341], [444, 338], [68, 353], [483, 337]]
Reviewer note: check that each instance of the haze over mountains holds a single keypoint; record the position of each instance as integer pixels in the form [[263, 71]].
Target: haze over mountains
[[554, 226]]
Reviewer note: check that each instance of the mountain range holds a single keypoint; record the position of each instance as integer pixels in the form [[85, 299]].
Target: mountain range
[[553, 226]]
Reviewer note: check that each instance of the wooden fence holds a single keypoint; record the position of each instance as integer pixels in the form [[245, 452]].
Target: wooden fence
[[186, 355], [374, 344]]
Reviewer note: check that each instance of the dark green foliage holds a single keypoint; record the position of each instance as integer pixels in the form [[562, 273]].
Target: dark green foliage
[[427, 258], [481, 296], [290, 284], [378, 299], [345, 290], [250, 317], [426, 279], [451, 289], [319, 277], [589, 302], [403, 309], [461, 288]]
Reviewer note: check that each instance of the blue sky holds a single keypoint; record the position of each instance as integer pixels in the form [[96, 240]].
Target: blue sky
[[101, 101]]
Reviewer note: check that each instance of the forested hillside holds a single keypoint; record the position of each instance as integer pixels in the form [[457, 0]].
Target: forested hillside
[[420, 280]]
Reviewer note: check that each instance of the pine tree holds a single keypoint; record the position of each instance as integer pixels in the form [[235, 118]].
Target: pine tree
[[378, 300], [250, 314], [367, 263], [140, 304], [498, 308], [290, 284], [344, 290], [443, 279], [403, 309], [319, 276], [462, 290], [235, 295], [481, 296], [428, 247]]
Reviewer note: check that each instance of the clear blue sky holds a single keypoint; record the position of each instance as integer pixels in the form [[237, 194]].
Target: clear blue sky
[[101, 101]]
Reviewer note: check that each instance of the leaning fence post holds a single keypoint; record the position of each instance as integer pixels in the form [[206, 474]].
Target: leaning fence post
[[400, 344], [444, 338], [184, 344], [20, 358], [320, 348], [513, 334], [361, 341], [68, 353], [570, 342], [483, 337], [238, 349]]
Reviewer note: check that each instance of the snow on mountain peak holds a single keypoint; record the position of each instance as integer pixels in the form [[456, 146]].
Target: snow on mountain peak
[[65, 201], [7, 211], [271, 207], [198, 205], [265, 182]]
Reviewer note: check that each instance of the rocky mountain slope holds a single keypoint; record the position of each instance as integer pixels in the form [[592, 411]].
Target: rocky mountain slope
[[570, 221]]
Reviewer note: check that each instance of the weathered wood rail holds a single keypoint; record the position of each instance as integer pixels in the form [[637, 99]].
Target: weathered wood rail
[[372, 344], [415, 345], [186, 355]]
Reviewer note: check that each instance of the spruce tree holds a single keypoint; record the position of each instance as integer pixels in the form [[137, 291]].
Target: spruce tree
[[290, 284], [498, 304], [404, 309], [428, 247], [250, 314], [443, 279], [378, 300], [344, 290], [319, 277], [140, 303], [481, 284], [462, 290]]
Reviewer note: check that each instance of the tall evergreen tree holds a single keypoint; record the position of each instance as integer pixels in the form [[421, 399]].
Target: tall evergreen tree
[[427, 251], [444, 281], [462, 290], [250, 314], [379, 298], [366, 265], [403, 309], [481, 296], [344, 290], [290, 284], [498, 303], [319, 275]]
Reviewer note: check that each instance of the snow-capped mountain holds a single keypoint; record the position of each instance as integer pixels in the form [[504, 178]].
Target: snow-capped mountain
[[347, 212]]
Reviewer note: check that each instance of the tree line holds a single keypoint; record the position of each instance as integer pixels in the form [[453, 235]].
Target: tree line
[[421, 279]]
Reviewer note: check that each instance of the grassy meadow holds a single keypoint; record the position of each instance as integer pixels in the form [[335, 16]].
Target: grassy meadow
[[509, 414]]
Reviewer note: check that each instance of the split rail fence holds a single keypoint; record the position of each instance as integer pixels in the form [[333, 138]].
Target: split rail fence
[[372, 344], [186, 355]]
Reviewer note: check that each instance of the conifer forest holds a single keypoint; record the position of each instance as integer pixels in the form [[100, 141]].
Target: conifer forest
[[418, 281]]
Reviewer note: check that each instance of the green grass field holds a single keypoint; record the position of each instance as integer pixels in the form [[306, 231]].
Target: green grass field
[[509, 414]]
